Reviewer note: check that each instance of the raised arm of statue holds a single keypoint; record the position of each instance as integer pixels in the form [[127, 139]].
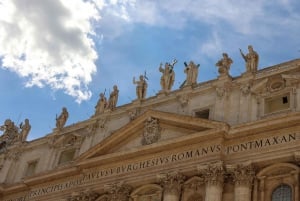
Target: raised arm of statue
[[161, 68], [134, 82], [244, 57]]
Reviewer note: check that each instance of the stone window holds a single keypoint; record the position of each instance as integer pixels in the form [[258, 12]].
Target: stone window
[[277, 103], [31, 167], [66, 156], [204, 114], [282, 193]]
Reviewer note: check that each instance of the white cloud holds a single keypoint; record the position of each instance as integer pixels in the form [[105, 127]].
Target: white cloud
[[47, 43]]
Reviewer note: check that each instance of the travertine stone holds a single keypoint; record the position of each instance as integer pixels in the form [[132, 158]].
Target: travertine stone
[[172, 184], [213, 175], [141, 87], [168, 76], [251, 59]]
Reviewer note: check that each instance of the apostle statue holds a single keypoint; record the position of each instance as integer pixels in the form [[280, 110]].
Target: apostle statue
[[25, 129], [224, 64], [251, 59], [141, 87], [113, 98], [168, 76], [62, 119], [191, 71], [101, 104]]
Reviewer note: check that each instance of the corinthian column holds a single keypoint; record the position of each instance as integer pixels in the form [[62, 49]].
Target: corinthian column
[[118, 191], [213, 175], [171, 183], [243, 176]]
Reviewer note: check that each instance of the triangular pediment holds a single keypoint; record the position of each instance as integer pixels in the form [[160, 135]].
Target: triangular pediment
[[163, 127]]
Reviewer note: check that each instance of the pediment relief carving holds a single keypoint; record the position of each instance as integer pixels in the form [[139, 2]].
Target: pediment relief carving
[[151, 132], [148, 128]]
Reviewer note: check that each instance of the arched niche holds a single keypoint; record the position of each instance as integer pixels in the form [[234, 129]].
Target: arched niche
[[148, 192], [271, 177], [193, 189]]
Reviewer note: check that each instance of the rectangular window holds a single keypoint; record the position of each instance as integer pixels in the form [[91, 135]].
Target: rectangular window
[[204, 114], [31, 167], [277, 103], [66, 156]]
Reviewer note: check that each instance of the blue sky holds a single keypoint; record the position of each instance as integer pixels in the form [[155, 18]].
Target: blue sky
[[63, 53]]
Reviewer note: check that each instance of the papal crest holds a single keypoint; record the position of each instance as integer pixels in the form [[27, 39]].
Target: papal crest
[[151, 131]]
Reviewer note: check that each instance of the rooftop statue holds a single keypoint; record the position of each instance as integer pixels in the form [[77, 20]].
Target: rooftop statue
[[251, 59], [113, 98], [25, 129], [62, 119], [141, 87], [101, 104], [191, 71], [10, 134], [224, 64], [168, 76]]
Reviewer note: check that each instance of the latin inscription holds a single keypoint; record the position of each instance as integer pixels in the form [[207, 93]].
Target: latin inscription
[[157, 161]]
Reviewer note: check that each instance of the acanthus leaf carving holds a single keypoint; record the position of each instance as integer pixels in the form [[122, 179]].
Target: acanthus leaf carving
[[172, 182], [243, 175], [118, 191], [213, 174]]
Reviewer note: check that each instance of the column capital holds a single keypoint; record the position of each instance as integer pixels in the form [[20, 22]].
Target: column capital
[[213, 173], [86, 195], [172, 182], [242, 174], [118, 191]]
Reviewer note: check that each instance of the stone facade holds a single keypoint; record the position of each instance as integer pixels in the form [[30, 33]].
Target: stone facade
[[232, 138]]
